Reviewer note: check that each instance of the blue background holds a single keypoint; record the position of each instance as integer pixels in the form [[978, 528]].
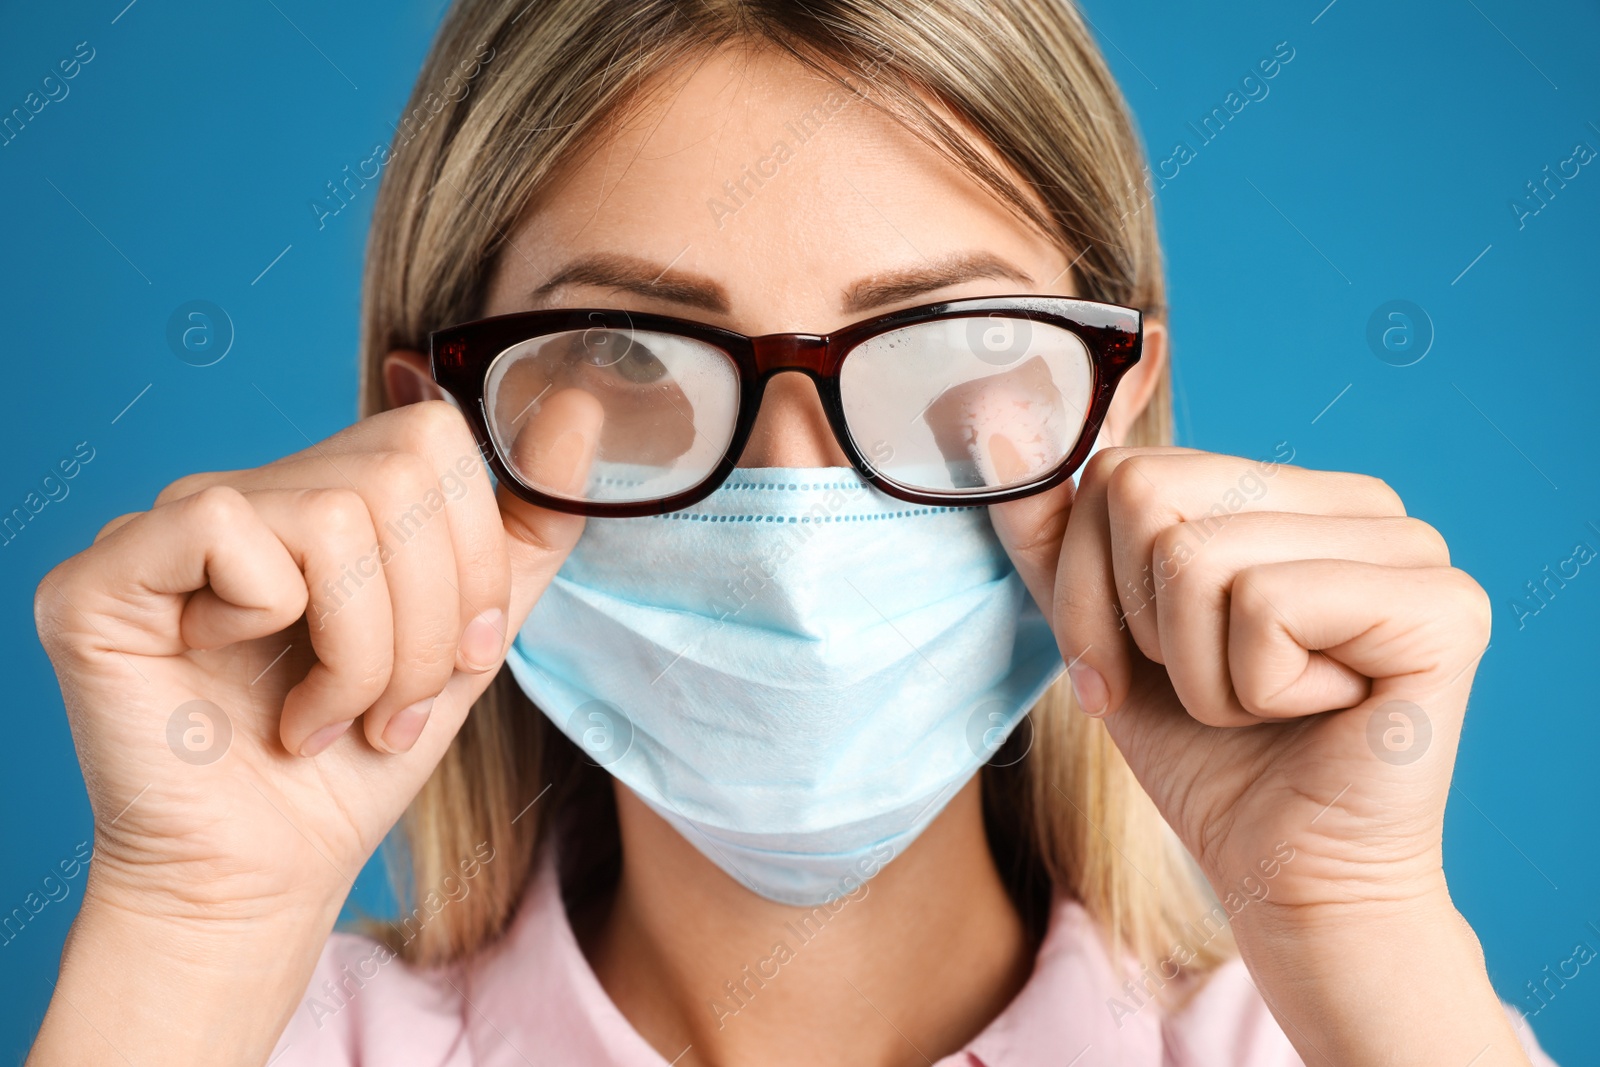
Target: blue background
[[1381, 166]]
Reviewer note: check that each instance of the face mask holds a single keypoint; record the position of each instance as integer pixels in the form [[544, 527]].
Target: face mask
[[797, 673]]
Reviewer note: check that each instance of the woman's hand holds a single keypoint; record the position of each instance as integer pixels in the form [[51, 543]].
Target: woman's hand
[[1283, 657], [215, 651]]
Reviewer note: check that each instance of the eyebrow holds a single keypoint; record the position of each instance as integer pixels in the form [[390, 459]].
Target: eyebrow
[[894, 286], [632, 274]]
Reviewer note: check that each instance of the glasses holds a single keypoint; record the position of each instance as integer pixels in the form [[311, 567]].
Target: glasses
[[614, 413]]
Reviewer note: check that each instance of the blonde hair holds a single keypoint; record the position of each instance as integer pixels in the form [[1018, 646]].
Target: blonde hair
[[1026, 76]]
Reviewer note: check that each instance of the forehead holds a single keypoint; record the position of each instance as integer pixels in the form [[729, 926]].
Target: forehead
[[749, 168]]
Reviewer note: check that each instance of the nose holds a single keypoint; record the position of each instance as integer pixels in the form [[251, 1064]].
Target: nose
[[791, 428]]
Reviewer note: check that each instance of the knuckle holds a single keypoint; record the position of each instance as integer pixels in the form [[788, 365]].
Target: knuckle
[[50, 600], [1081, 611], [1471, 604], [217, 507], [1207, 714], [405, 473], [367, 674], [1102, 463], [188, 485], [374, 678], [1172, 553], [486, 570], [114, 525], [337, 513], [1434, 546], [56, 615], [1037, 535], [430, 651], [427, 425], [1211, 702], [1255, 698], [1251, 698], [1130, 489], [1382, 494], [409, 491], [1248, 598]]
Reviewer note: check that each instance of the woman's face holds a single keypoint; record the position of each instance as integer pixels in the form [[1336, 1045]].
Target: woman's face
[[753, 194]]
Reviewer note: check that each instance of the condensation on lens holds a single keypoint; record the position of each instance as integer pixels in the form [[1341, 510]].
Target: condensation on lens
[[968, 404], [655, 411]]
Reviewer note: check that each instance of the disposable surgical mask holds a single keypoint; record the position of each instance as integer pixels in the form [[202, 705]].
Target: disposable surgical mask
[[797, 673]]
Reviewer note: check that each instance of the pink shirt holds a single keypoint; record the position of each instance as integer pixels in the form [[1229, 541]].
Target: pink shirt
[[532, 999]]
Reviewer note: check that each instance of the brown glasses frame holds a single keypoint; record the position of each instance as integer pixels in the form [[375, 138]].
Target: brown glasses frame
[[460, 357]]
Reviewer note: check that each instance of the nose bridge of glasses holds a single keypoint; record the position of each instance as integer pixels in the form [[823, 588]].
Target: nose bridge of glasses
[[803, 352]]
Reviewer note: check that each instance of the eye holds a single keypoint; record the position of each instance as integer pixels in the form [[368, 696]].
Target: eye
[[622, 354]]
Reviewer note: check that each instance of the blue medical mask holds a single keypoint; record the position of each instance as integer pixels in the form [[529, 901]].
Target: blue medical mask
[[797, 673]]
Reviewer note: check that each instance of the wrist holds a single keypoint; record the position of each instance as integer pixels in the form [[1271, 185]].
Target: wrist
[[1399, 980], [200, 939], [1338, 925], [136, 985], [193, 893]]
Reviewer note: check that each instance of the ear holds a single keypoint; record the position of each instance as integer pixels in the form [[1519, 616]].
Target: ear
[[1139, 384], [406, 379]]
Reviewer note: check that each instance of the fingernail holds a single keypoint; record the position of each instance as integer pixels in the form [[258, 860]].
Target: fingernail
[[406, 726], [323, 738], [481, 641], [1090, 689]]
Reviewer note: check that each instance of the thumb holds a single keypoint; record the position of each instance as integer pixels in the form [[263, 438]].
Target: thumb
[[552, 453], [1006, 427], [1031, 530]]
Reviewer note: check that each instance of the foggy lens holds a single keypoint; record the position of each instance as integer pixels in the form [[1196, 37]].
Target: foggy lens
[[971, 404], [652, 413]]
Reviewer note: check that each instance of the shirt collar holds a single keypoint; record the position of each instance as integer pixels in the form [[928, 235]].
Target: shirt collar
[[532, 998], [1063, 1015]]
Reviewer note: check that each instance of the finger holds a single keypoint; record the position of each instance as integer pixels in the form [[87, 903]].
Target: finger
[[349, 617], [415, 553], [1150, 492], [481, 577], [115, 524], [1196, 564], [190, 484], [435, 431], [1008, 427], [554, 451], [1003, 428], [131, 590], [1085, 605], [1295, 628], [1031, 529]]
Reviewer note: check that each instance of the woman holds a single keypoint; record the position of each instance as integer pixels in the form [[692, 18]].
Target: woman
[[777, 795]]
